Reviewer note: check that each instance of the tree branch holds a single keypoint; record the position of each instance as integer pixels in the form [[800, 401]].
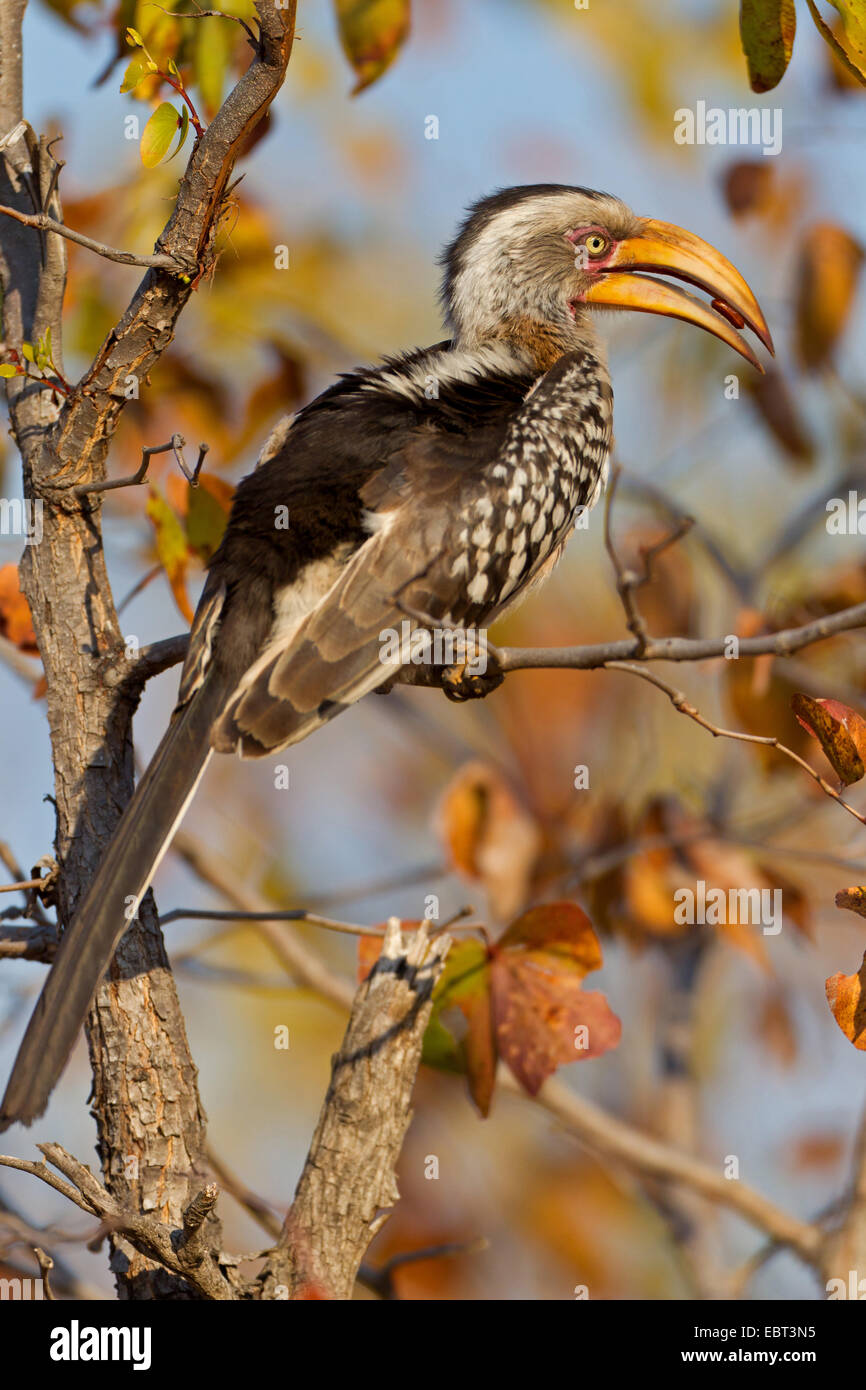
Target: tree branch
[[349, 1180], [590, 658], [43, 223], [613, 1137], [682, 706], [149, 1118]]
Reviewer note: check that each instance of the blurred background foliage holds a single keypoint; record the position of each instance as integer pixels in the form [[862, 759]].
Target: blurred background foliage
[[409, 796]]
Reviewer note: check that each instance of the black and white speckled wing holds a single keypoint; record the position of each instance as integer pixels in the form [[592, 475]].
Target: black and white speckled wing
[[453, 538]]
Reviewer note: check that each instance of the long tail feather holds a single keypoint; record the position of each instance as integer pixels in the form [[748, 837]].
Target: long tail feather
[[143, 835]]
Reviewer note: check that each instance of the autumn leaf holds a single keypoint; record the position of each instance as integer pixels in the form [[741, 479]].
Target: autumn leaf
[[372, 33], [830, 260], [15, 621], [848, 38], [212, 52], [521, 999], [846, 996], [759, 693], [818, 1149], [139, 67], [158, 134], [207, 512], [840, 731], [747, 185], [172, 549], [775, 1028], [852, 898], [777, 406], [489, 836], [767, 29], [667, 849]]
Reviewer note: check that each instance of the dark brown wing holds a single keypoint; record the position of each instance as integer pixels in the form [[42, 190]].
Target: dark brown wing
[[345, 647]]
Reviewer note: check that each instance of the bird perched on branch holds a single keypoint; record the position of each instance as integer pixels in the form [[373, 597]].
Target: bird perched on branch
[[435, 488]]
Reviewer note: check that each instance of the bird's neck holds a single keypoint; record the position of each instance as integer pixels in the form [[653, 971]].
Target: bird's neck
[[541, 343]]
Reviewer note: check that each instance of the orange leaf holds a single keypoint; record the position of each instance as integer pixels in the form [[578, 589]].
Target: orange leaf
[[829, 267], [747, 185], [846, 995], [544, 1020], [489, 835], [821, 1149], [775, 1028], [16, 624]]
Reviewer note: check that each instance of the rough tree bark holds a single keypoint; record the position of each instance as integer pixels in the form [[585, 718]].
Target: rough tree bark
[[349, 1182], [145, 1098]]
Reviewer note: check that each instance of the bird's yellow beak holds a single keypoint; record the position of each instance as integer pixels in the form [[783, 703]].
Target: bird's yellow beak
[[663, 249]]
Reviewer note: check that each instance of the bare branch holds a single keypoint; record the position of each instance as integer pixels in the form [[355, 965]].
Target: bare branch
[[626, 580], [46, 1264], [682, 705], [43, 223], [175, 446], [613, 1137], [295, 956], [590, 658], [348, 1182], [29, 943]]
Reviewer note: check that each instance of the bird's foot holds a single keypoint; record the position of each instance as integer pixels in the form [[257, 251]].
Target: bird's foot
[[464, 682], [48, 881]]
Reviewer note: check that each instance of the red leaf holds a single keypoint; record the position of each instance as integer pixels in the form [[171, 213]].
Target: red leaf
[[840, 731], [522, 1000]]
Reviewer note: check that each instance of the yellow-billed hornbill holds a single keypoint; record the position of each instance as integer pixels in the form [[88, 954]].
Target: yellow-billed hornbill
[[442, 484]]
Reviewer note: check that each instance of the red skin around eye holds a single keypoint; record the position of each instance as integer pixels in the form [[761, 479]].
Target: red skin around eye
[[595, 262]]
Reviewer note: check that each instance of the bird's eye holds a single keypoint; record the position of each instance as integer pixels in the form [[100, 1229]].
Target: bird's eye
[[596, 244]]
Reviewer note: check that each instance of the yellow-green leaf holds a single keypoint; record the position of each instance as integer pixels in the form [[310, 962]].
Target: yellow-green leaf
[[139, 68], [211, 54], [848, 42], [372, 33], [767, 30], [158, 135], [172, 550], [6, 369], [208, 507], [184, 127]]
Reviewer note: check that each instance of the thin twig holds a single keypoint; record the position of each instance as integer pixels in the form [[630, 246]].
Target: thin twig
[[682, 705], [43, 223], [618, 1139], [590, 658], [381, 1280], [44, 1174], [210, 14], [174, 446], [19, 887], [46, 1264], [192, 914], [626, 580]]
